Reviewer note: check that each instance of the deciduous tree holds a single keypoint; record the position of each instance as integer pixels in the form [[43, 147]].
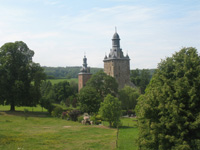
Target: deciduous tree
[[89, 100], [110, 110], [20, 77], [169, 111], [103, 84], [128, 97]]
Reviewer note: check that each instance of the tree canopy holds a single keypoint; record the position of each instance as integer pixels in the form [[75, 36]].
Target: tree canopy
[[103, 84], [169, 111], [141, 78], [110, 110], [89, 100], [20, 77], [97, 87], [128, 97]]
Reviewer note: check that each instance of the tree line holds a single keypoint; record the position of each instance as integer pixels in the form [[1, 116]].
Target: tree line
[[65, 72], [167, 106]]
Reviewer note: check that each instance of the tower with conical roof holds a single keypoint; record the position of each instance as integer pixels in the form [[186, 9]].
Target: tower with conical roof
[[116, 64], [84, 74]]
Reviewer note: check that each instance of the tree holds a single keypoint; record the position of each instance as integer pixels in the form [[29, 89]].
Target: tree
[[62, 91], [48, 95], [168, 113], [128, 97], [111, 110], [20, 77], [141, 78], [103, 84], [89, 100]]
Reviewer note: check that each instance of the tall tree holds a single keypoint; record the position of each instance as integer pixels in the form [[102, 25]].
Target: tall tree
[[128, 97], [110, 110], [62, 91], [89, 100], [17, 71], [103, 84], [141, 78], [169, 111]]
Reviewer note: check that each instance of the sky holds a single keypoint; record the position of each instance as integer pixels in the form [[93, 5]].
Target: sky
[[60, 32]]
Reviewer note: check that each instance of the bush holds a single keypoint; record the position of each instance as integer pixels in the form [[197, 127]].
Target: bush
[[57, 112], [97, 119], [124, 112], [74, 115], [65, 115], [80, 118]]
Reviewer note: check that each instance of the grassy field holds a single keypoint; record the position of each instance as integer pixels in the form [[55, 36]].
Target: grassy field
[[40, 131], [127, 134], [30, 109], [54, 81], [44, 133]]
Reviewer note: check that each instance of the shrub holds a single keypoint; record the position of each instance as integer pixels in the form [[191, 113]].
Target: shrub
[[74, 115], [97, 119], [57, 112], [124, 112], [65, 115], [80, 118]]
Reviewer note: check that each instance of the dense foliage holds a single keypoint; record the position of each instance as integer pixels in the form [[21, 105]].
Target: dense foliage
[[89, 100], [65, 72], [110, 110], [169, 111], [97, 87], [103, 84], [141, 78], [20, 77], [128, 97], [60, 93]]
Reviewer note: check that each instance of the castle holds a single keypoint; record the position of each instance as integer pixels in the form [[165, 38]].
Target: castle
[[115, 64]]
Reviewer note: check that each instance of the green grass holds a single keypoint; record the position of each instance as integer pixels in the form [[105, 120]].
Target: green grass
[[44, 133], [127, 134], [55, 81], [31, 109], [40, 131]]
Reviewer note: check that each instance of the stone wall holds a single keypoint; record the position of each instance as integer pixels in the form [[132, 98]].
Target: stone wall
[[119, 69]]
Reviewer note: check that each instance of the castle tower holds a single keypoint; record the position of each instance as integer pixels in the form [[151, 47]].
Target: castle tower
[[116, 64], [84, 74]]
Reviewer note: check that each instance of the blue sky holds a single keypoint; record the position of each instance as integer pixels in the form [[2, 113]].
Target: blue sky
[[60, 31]]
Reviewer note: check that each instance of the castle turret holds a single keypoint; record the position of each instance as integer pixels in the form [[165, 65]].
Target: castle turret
[[116, 64], [84, 74]]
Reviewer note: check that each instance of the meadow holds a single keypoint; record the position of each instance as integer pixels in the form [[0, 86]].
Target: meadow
[[55, 81], [40, 131]]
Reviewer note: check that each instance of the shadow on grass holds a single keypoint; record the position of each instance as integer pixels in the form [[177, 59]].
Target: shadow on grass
[[28, 114]]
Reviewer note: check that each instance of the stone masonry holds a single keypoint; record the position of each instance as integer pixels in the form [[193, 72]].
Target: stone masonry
[[116, 64]]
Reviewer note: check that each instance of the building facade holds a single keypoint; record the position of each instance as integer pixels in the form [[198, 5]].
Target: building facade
[[116, 64], [84, 74]]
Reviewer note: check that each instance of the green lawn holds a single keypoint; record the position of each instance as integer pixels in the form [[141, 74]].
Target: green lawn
[[127, 134], [31, 109], [44, 133], [54, 81], [40, 131]]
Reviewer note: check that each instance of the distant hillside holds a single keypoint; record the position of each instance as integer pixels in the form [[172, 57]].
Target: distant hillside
[[72, 72], [65, 72]]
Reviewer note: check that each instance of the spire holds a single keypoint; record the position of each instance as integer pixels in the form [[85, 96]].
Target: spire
[[84, 67], [115, 29]]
